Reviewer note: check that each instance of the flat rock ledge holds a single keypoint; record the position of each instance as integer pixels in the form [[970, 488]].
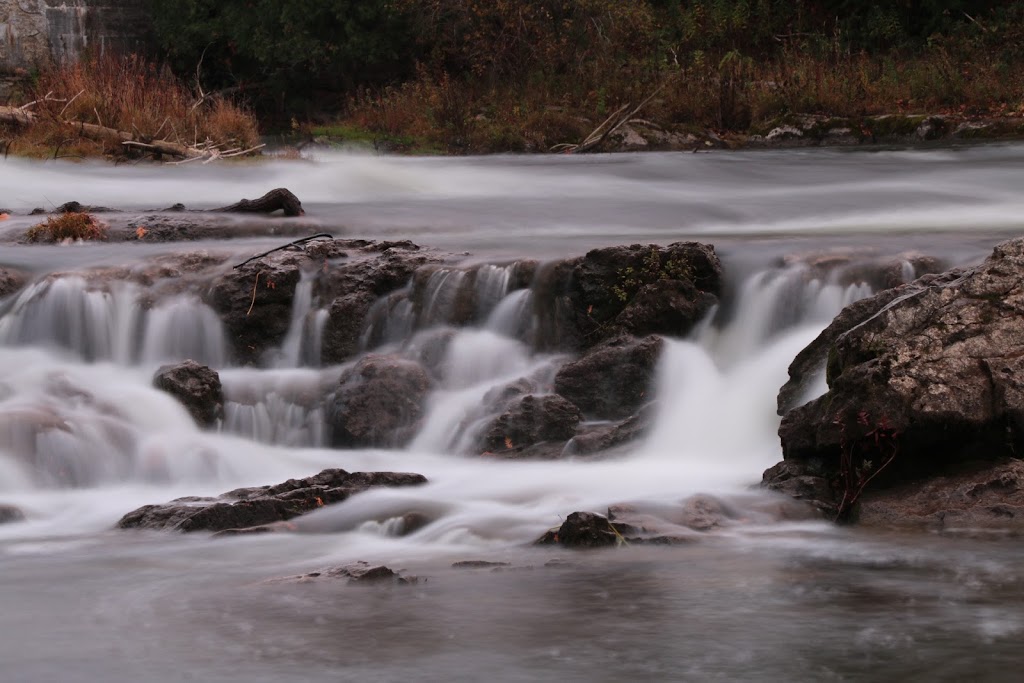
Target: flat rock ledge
[[263, 505]]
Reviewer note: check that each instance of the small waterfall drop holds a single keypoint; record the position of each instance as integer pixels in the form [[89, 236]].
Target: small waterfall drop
[[302, 343], [113, 323]]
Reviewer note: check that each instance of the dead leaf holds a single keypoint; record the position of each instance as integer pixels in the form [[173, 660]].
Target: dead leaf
[[140, 232]]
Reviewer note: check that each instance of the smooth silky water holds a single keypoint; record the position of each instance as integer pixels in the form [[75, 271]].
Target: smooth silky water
[[84, 439]]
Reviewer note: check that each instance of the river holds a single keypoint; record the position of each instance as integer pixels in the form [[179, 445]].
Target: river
[[764, 600]]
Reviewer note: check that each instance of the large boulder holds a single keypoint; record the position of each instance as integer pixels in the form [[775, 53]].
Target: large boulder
[[196, 387], [379, 402], [921, 378], [262, 505], [613, 380], [532, 420]]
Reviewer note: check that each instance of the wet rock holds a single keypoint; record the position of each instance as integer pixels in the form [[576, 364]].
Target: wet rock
[[354, 285], [478, 564], [255, 303], [11, 281], [613, 380], [583, 530], [606, 437], [921, 378], [801, 481], [973, 497], [10, 513], [379, 402], [531, 420], [196, 387], [355, 573], [642, 290], [263, 505]]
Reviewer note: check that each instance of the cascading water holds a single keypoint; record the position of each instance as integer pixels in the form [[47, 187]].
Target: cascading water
[[84, 436]]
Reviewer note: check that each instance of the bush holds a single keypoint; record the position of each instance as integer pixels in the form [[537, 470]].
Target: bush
[[67, 226], [129, 94]]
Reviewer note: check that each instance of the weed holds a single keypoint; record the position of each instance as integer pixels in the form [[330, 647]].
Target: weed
[[67, 226], [862, 459]]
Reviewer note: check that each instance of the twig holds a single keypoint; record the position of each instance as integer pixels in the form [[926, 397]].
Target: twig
[[303, 240], [61, 115], [976, 22], [254, 285]]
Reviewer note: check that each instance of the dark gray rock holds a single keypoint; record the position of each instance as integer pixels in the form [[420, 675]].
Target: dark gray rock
[[196, 387], [613, 380], [263, 505], [531, 420], [9, 513], [379, 402]]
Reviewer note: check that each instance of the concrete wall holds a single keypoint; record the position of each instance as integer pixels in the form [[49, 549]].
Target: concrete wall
[[33, 32]]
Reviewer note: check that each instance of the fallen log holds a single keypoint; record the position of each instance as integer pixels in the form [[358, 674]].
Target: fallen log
[[16, 117], [279, 199], [24, 118]]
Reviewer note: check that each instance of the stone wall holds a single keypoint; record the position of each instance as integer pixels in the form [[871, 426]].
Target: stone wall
[[34, 32]]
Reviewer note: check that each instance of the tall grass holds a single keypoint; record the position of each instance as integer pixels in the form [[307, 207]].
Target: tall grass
[[129, 94], [728, 93]]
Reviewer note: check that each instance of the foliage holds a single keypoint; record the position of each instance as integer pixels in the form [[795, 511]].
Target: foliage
[[67, 226], [652, 270], [284, 46], [130, 94], [862, 458]]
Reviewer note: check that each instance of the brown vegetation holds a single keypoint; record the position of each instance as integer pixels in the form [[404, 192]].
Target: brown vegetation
[[67, 226], [126, 94]]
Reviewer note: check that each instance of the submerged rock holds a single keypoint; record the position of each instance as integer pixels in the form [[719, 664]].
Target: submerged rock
[[922, 378], [196, 387], [355, 573], [262, 505], [379, 402], [613, 380], [583, 530]]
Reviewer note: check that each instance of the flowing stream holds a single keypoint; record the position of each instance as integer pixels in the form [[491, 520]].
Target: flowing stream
[[84, 438]]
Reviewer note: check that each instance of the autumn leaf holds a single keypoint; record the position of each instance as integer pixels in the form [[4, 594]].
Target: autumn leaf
[[140, 232], [508, 442], [4, 216]]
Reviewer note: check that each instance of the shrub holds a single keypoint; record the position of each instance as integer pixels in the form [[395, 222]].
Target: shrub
[[129, 94], [67, 226]]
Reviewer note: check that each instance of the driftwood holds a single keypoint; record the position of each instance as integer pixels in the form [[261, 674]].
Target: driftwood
[[21, 116], [609, 126], [279, 199]]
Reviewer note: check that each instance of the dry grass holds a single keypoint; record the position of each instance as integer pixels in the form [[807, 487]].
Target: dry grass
[[128, 94], [730, 94], [67, 226]]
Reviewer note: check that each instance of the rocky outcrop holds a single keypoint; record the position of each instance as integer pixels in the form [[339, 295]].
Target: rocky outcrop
[[379, 402], [613, 380], [922, 378], [262, 505], [196, 387], [529, 421]]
